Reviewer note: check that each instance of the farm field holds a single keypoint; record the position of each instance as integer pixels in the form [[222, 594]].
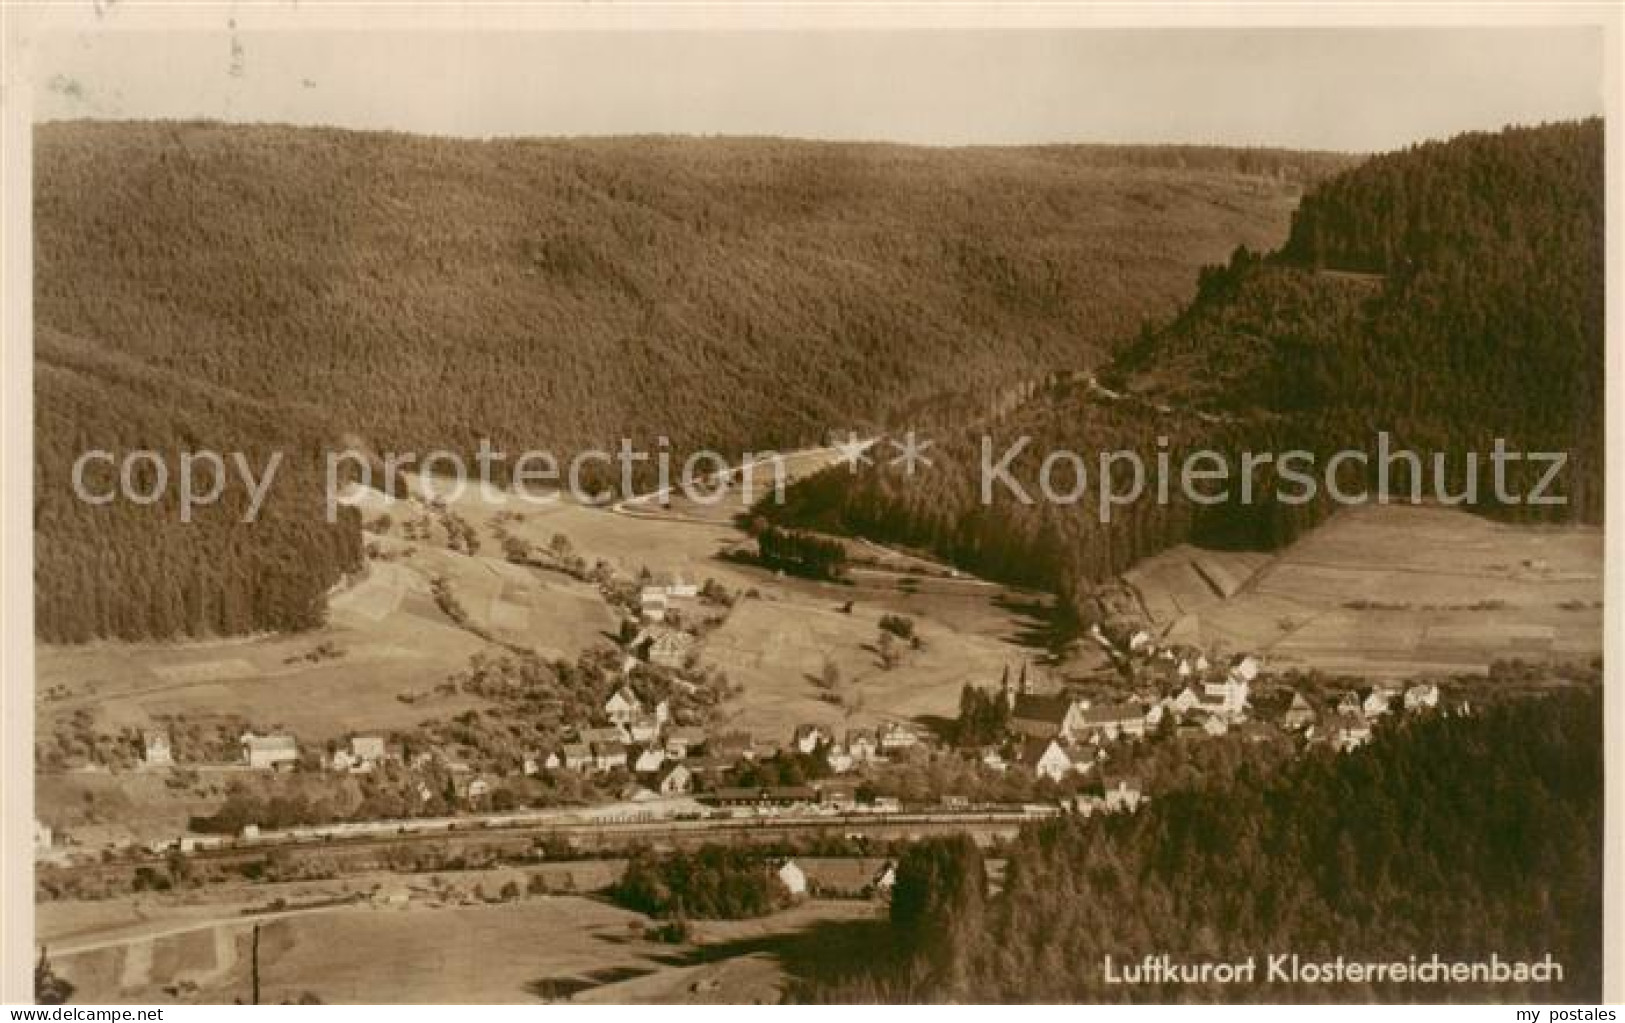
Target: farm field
[[265, 680], [1392, 592], [102, 808], [776, 648], [391, 636], [542, 948], [390, 645]]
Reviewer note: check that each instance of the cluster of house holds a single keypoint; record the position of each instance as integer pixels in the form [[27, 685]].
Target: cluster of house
[[668, 760], [1116, 795], [1057, 735], [258, 752], [1350, 722], [1052, 735], [656, 642], [856, 746], [663, 759], [655, 600]]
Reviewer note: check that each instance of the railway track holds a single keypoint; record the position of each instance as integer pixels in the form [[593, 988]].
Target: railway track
[[595, 836]]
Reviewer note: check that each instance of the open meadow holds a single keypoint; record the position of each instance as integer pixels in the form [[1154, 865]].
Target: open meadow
[[1389, 592]]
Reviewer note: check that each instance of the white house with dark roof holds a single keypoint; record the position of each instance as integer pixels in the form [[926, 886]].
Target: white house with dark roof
[[1121, 795], [607, 756], [895, 736], [683, 740], [269, 752], [1227, 697], [1299, 714], [652, 604], [1047, 758], [644, 728], [622, 706], [1349, 732]]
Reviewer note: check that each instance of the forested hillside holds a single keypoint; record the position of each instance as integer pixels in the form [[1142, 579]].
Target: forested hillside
[[134, 571], [421, 294], [1449, 295], [1462, 837]]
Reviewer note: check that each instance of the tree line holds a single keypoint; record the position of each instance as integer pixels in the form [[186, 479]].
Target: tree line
[[124, 570], [714, 882], [801, 553]]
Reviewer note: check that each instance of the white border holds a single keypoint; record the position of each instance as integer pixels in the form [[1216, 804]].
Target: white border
[[21, 23]]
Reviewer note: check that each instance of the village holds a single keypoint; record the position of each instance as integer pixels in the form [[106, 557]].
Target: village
[[1032, 742]]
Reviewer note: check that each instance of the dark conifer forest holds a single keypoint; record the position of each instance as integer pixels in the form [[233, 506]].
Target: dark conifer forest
[[133, 571], [297, 286], [1457, 836]]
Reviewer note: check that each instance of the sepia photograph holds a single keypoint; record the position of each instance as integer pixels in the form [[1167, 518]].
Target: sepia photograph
[[759, 505]]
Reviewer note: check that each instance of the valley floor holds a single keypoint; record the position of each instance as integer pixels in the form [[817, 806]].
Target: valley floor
[[422, 939]]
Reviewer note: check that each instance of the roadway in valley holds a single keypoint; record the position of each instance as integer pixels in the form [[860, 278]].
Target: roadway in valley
[[927, 575], [601, 836]]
